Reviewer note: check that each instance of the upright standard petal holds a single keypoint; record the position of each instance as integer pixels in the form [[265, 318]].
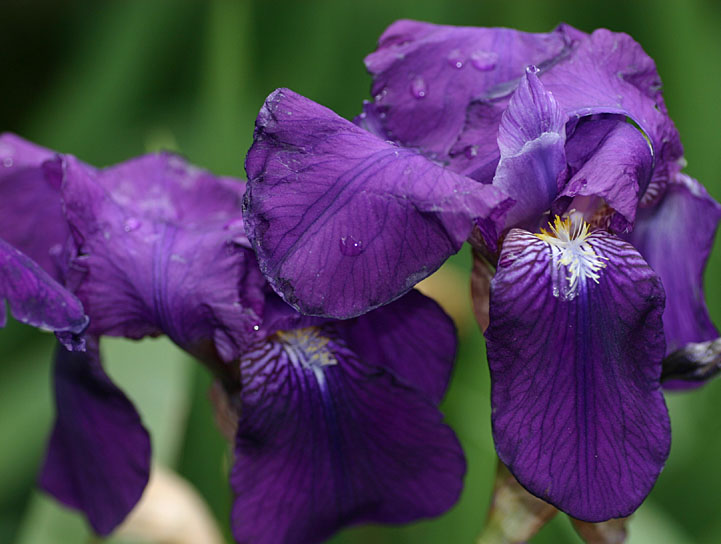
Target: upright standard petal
[[35, 298], [98, 458], [148, 262], [575, 344], [610, 73], [425, 76], [327, 440], [343, 222], [531, 140], [675, 237], [31, 215], [616, 168]]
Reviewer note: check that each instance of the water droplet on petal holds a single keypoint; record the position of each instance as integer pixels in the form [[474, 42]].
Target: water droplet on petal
[[381, 95], [256, 327], [471, 151], [484, 60], [350, 247], [456, 58], [7, 162], [418, 87], [131, 224]]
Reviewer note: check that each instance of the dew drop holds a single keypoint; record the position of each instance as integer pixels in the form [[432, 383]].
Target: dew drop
[[381, 95], [418, 87], [256, 327], [484, 60], [131, 224], [456, 58], [471, 151], [350, 247], [7, 162]]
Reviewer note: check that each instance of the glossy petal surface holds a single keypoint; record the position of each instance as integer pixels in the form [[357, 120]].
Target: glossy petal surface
[[578, 414], [531, 139], [412, 337], [327, 440], [610, 73], [675, 237], [98, 459], [618, 170], [34, 297], [155, 256], [344, 222], [31, 215], [425, 75]]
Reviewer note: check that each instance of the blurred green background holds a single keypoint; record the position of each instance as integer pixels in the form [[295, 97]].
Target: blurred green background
[[107, 81]]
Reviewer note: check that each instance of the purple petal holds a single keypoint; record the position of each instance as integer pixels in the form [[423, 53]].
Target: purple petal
[[30, 204], [578, 414], [531, 140], [344, 222], [675, 237], [412, 337], [610, 73], [424, 77], [617, 168], [155, 257], [34, 297], [98, 458], [327, 440]]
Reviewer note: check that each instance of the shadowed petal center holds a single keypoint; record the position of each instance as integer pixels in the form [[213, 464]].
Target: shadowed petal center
[[307, 348]]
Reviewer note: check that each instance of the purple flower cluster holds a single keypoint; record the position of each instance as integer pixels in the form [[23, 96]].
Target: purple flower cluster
[[336, 422], [554, 155]]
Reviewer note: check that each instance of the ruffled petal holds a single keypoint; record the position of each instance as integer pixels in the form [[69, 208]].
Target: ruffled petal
[[343, 222], [604, 73], [30, 204], [578, 413], [147, 262], [425, 75], [531, 139], [675, 237], [98, 458], [37, 299], [616, 168], [326, 440], [412, 337], [610, 73]]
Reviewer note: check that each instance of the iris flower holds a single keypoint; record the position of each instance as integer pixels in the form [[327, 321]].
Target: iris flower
[[336, 423], [555, 156]]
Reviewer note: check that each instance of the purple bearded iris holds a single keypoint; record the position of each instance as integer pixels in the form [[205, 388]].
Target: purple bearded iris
[[336, 423], [554, 154], [29, 279]]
